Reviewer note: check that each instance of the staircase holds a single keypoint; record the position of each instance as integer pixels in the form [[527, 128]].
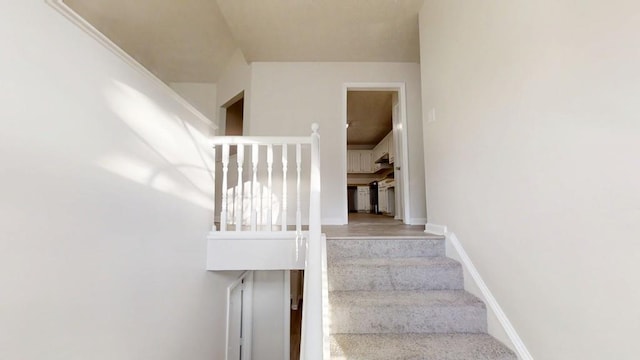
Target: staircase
[[400, 298]]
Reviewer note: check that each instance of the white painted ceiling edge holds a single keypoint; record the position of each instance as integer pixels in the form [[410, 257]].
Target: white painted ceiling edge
[[193, 40]]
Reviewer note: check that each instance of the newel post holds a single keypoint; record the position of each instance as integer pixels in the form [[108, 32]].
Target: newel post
[[312, 327]]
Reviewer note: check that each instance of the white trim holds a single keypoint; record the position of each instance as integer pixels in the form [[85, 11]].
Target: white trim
[[230, 288], [516, 342], [435, 229], [248, 317], [89, 29], [345, 214], [400, 87], [256, 235], [229, 253], [247, 312], [333, 221], [260, 140], [326, 323], [287, 314], [417, 221]]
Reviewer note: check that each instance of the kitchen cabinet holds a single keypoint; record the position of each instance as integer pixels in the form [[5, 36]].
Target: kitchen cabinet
[[366, 161], [359, 161], [380, 149], [384, 153], [353, 161], [386, 196], [364, 199], [385, 146], [382, 200]]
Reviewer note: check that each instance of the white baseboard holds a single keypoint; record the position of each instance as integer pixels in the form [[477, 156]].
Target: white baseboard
[[457, 252], [417, 221], [333, 221], [435, 229]]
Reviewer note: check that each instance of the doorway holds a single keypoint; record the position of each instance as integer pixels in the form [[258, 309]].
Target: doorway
[[233, 116], [376, 146], [239, 318]]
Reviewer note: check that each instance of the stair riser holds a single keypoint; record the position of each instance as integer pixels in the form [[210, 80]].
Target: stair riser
[[411, 319], [418, 346], [395, 278], [347, 249]]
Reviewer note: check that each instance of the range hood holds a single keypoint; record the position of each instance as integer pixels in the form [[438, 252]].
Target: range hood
[[383, 159], [382, 164]]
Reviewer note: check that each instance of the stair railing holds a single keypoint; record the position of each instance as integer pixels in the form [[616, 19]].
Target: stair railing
[[252, 212], [312, 341]]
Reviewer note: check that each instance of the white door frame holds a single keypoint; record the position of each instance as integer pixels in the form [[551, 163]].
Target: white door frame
[[399, 87], [399, 204], [246, 280]]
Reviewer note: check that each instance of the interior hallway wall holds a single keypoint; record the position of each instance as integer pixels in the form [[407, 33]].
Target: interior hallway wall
[[203, 96], [532, 161], [286, 98], [235, 79], [105, 204]]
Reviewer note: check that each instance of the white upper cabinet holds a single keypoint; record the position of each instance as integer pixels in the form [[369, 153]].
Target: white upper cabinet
[[353, 161], [379, 150], [359, 162], [385, 146], [363, 161], [392, 148], [366, 161]]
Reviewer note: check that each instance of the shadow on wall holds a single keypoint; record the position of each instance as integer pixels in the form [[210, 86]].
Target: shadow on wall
[[168, 137], [259, 196]]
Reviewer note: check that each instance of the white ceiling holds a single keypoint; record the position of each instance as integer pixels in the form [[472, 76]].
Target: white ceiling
[[325, 30], [369, 116], [177, 40], [192, 40]]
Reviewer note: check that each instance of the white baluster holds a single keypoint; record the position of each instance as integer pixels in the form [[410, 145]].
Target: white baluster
[[239, 194], [269, 186], [225, 171], [213, 227], [299, 170], [284, 187], [254, 160]]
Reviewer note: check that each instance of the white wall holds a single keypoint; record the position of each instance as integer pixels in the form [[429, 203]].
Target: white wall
[[269, 304], [202, 96], [533, 162], [235, 79], [286, 98], [105, 204]]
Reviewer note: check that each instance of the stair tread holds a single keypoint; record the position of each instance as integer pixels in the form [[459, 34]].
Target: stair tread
[[397, 298], [418, 346], [407, 261], [415, 273], [385, 248], [385, 237]]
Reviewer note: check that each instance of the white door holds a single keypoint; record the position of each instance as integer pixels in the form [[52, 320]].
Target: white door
[[234, 346], [239, 318], [364, 200]]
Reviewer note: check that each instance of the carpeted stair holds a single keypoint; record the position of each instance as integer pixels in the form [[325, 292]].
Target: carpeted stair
[[403, 299]]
